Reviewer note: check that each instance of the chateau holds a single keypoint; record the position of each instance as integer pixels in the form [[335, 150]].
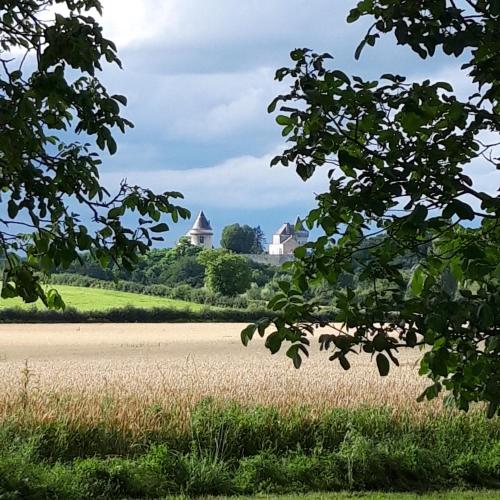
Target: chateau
[[286, 239]]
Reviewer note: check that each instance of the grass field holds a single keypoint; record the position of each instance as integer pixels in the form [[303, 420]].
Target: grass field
[[95, 299], [156, 410]]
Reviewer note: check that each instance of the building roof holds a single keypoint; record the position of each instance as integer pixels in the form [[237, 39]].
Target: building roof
[[286, 228], [202, 223], [289, 229], [299, 227]]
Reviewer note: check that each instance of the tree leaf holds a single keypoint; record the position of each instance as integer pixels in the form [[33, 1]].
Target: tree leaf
[[159, 228], [382, 364]]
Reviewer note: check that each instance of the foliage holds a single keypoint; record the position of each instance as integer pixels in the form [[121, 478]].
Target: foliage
[[184, 270], [261, 273], [397, 154], [242, 239], [97, 300], [260, 240], [232, 449], [225, 273], [132, 314], [50, 92]]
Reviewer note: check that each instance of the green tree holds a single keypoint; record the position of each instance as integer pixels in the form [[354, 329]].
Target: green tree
[[183, 248], [225, 272], [49, 93], [239, 239], [397, 153], [185, 270], [260, 240]]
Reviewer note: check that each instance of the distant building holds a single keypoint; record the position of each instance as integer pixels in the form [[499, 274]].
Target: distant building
[[201, 233], [288, 238]]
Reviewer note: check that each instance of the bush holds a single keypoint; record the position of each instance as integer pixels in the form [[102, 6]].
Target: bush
[[130, 315]]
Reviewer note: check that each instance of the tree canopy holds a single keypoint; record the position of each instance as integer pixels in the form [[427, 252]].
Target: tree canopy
[[397, 154], [49, 94], [225, 272], [242, 239]]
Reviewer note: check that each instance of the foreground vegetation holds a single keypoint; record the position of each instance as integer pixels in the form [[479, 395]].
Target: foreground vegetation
[[151, 411], [455, 494], [230, 449]]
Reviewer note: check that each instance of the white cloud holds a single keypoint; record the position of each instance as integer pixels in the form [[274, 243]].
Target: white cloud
[[175, 23], [245, 182], [199, 107]]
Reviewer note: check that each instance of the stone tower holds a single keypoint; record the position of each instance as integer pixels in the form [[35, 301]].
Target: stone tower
[[201, 233]]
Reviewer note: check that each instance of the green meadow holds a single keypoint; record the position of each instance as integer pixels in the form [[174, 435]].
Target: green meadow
[[95, 299]]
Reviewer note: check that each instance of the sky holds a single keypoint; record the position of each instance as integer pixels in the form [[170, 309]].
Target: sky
[[199, 76]]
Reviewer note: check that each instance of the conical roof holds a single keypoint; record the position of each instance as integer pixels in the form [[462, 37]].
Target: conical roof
[[299, 227], [202, 223]]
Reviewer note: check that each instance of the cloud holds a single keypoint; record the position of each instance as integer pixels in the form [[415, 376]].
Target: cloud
[[245, 182], [178, 23]]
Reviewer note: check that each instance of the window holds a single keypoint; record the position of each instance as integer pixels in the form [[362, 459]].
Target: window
[[202, 239]]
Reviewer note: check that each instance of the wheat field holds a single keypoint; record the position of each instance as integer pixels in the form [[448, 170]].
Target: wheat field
[[137, 375]]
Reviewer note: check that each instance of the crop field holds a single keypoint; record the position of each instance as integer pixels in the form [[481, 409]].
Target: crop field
[[156, 410], [175, 366], [95, 299]]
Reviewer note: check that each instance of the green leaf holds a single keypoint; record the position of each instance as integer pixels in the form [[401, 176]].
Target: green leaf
[[344, 362], [300, 252], [340, 75], [418, 281], [12, 209], [464, 211], [411, 338], [159, 228], [382, 365], [486, 316], [116, 212], [247, 333], [293, 353], [359, 49], [284, 120], [112, 147], [419, 214], [120, 98], [444, 85], [273, 342], [354, 15]]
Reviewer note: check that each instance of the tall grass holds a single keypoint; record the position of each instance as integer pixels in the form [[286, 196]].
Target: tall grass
[[228, 448]]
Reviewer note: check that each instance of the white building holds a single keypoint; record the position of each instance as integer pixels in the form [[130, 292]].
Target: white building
[[288, 238], [201, 233]]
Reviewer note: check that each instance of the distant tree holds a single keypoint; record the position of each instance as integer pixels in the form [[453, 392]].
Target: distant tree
[[185, 270], [259, 240], [398, 155], [261, 273], [50, 93], [239, 239], [225, 272], [184, 247]]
